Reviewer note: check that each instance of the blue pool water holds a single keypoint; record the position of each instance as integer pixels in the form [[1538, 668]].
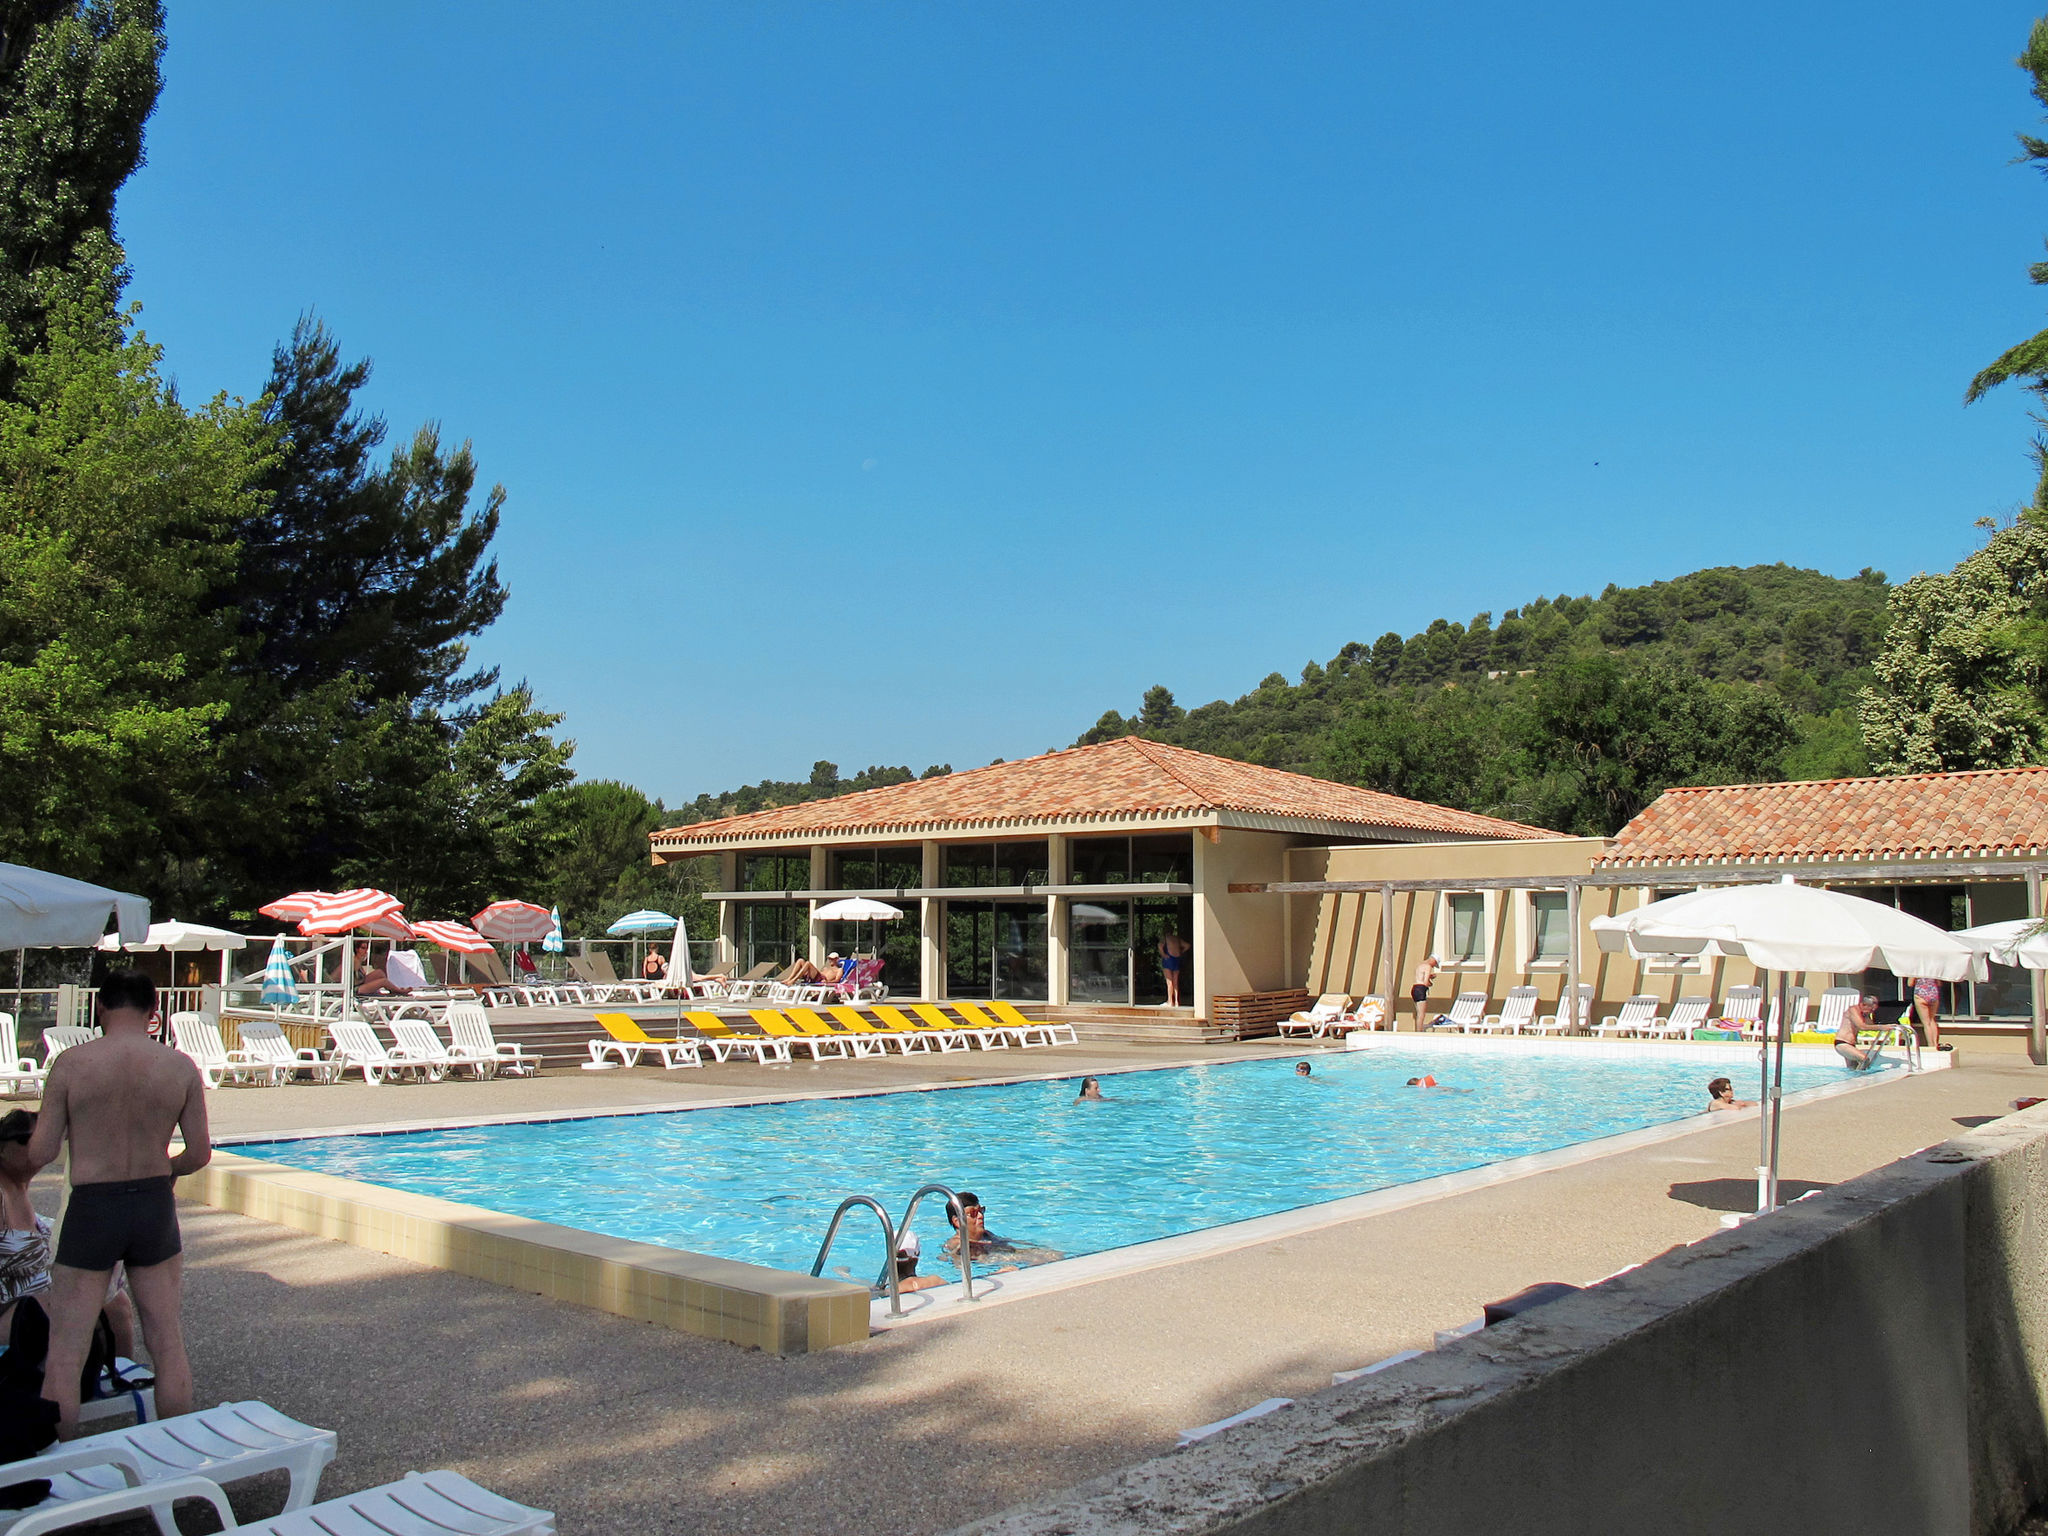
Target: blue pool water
[[1168, 1152]]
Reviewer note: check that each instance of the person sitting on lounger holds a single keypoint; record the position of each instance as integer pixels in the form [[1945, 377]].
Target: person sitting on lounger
[[654, 968], [1721, 1095]]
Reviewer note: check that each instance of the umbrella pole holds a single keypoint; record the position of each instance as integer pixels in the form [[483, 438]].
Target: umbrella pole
[[1778, 1096], [1763, 1103]]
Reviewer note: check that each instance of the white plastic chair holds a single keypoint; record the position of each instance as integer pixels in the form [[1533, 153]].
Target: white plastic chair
[[145, 1466], [1797, 1001], [420, 1504], [18, 1074], [59, 1038], [1835, 1002], [471, 1040], [1637, 1014], [356, 1045], [417, 1045], [265, 1042], [1566, 1019], [1687, 1015], [1465, 1012], [1327, 1009], [1744, 1006], [1517, 1009], [198, 1037]]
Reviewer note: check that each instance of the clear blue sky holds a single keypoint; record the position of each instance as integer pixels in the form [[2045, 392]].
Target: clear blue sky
[[908, 384]]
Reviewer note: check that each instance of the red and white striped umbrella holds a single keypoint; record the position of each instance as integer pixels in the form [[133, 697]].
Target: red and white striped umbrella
[[516, 922], [366, 911], [295, 906], [458, 937]]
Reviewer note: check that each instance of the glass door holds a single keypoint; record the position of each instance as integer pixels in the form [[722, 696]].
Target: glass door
[[1099, 951], [996, 949]]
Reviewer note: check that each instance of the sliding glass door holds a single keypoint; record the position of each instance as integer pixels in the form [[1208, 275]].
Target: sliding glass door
[[996, 949], [1113, 948]]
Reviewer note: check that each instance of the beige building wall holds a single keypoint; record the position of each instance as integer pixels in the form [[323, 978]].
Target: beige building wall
[[1240, 940]]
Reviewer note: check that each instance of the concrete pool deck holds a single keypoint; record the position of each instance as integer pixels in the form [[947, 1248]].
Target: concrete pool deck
[[618, 1426]]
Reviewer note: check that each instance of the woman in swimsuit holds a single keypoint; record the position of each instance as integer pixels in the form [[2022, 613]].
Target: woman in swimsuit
[[1927, 1008], [24, 1234], [1172, 952]]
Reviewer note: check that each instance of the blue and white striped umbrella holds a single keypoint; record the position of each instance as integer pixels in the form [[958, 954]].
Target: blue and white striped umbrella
[[280, 985], [552, 944], [641, 922]]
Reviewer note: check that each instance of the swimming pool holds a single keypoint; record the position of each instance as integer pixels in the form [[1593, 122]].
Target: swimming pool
[[1166, 1152]]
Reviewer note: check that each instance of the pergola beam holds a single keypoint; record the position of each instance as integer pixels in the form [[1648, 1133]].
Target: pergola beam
[[1929, 871]]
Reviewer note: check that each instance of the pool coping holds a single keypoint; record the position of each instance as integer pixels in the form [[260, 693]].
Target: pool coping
[[786, 1312]]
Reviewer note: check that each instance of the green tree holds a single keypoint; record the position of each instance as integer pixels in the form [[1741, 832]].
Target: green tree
[[116, 503], [1158, 711], [2028, 359], [78, 79], [1959, 681]]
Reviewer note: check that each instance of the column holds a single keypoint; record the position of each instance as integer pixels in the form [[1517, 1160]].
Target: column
[[1196, 993], [728, 913], [1057, 968], [821, 861], [931, 933], [2037, 1028]]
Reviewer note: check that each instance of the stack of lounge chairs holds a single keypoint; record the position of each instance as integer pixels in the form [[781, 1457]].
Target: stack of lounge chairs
[[838, 1032], [415, 1050]]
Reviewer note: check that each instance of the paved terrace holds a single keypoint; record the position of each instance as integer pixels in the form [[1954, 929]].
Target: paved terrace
[[621, 1427]]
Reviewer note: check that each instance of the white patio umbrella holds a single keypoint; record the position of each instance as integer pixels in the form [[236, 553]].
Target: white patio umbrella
[[860, 909], [1787, 927], [39, 910], [184, 938], [2019, 941], [680, 974]]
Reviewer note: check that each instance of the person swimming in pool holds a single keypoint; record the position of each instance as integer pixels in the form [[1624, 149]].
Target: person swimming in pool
[[1091, 1092], [1428, 1080], [984, 1244], [1721, 1095], [1302, 1069]]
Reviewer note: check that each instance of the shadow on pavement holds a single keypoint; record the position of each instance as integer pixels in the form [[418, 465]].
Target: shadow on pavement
[[1738, 1194]]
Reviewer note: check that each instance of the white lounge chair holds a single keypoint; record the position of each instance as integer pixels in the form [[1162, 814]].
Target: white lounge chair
[[1797, 1002], [1516, 1010], [1835, 1002], [420, 1504], [1469, 1008], [59, 1038], [145, 1466], [265, 1042], [198, 1037], [418, 1045], [18, 1074], [1637, 1014], [470, 1039], [1317, 1019], [1566, 1020], [1744, 1008], [356, 1046], [1370, 1013], [1687, 1015]]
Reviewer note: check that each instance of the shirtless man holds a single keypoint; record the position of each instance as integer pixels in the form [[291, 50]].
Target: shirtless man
[[1425, 977], [118, 1099]]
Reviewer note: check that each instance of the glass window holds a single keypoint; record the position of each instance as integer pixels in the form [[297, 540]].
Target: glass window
[[897, 868], [995, 949], [852, 869], [1549, 921], [997, 864], [774, 932], [1164, 858], [1099, 861], [1468, 928], [776, 872]]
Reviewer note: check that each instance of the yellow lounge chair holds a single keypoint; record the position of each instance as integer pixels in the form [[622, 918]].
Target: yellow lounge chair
[[820, 1043], [995, 1030], [947, 1037], [865, 1041], [724, 1041], [881, 1036], [629, 1042], [950, 1034], [1052, 1028]]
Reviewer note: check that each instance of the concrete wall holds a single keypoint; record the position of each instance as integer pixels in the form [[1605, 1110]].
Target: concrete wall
[[1872, 1360], [1240, 941]]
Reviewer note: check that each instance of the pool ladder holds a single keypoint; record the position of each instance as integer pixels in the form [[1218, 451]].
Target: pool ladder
[[890, 1236]]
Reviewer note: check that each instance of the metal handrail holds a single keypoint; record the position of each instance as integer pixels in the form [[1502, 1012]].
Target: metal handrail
[[959, 1226], [888, 1245]]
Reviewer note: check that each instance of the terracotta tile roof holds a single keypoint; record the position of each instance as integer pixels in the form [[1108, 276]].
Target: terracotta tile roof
[[1128, 779], [1986, 814]]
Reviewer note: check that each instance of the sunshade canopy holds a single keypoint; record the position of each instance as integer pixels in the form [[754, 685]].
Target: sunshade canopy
[[459, 938], [39, 910], [2014, 942], [358, 911], [1788, 927], [179, 936], [632, 922], [514, 922], [858, 909]]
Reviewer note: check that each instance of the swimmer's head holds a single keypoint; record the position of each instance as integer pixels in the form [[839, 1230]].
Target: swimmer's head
[[1720, 1088], [1301, 1069]]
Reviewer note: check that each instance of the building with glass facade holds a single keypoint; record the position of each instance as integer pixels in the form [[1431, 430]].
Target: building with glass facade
[[1053, 879]]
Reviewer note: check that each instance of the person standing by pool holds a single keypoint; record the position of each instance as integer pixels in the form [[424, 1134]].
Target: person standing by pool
[[1173, 952], [1927, 1009], [1425, 978], [118, 1100]]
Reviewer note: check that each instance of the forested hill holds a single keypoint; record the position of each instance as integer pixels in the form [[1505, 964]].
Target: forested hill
[[1571, 712]]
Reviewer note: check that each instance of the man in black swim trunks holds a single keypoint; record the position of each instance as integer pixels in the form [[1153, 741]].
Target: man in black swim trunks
[[118, 1099]]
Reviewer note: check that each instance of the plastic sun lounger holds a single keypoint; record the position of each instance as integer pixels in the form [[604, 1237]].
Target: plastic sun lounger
[[726, 1042], [1566, 1018], [628, 1041], [420, 1504], [1469, 1008], [1329, 1008], [893, 1020], [1687, 1015], [59, 1038], [775, 1023], [417, 1042], [1745, 1007], [943, 1032], [198, 1038], [471, 1040], [979, 1016], [265, 1042], [1053, 1028], [1637, 1014], [860, 1040], [877, 1037], [1517, 1011], [146, 1462], [356, 1045], [18, 1074]]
